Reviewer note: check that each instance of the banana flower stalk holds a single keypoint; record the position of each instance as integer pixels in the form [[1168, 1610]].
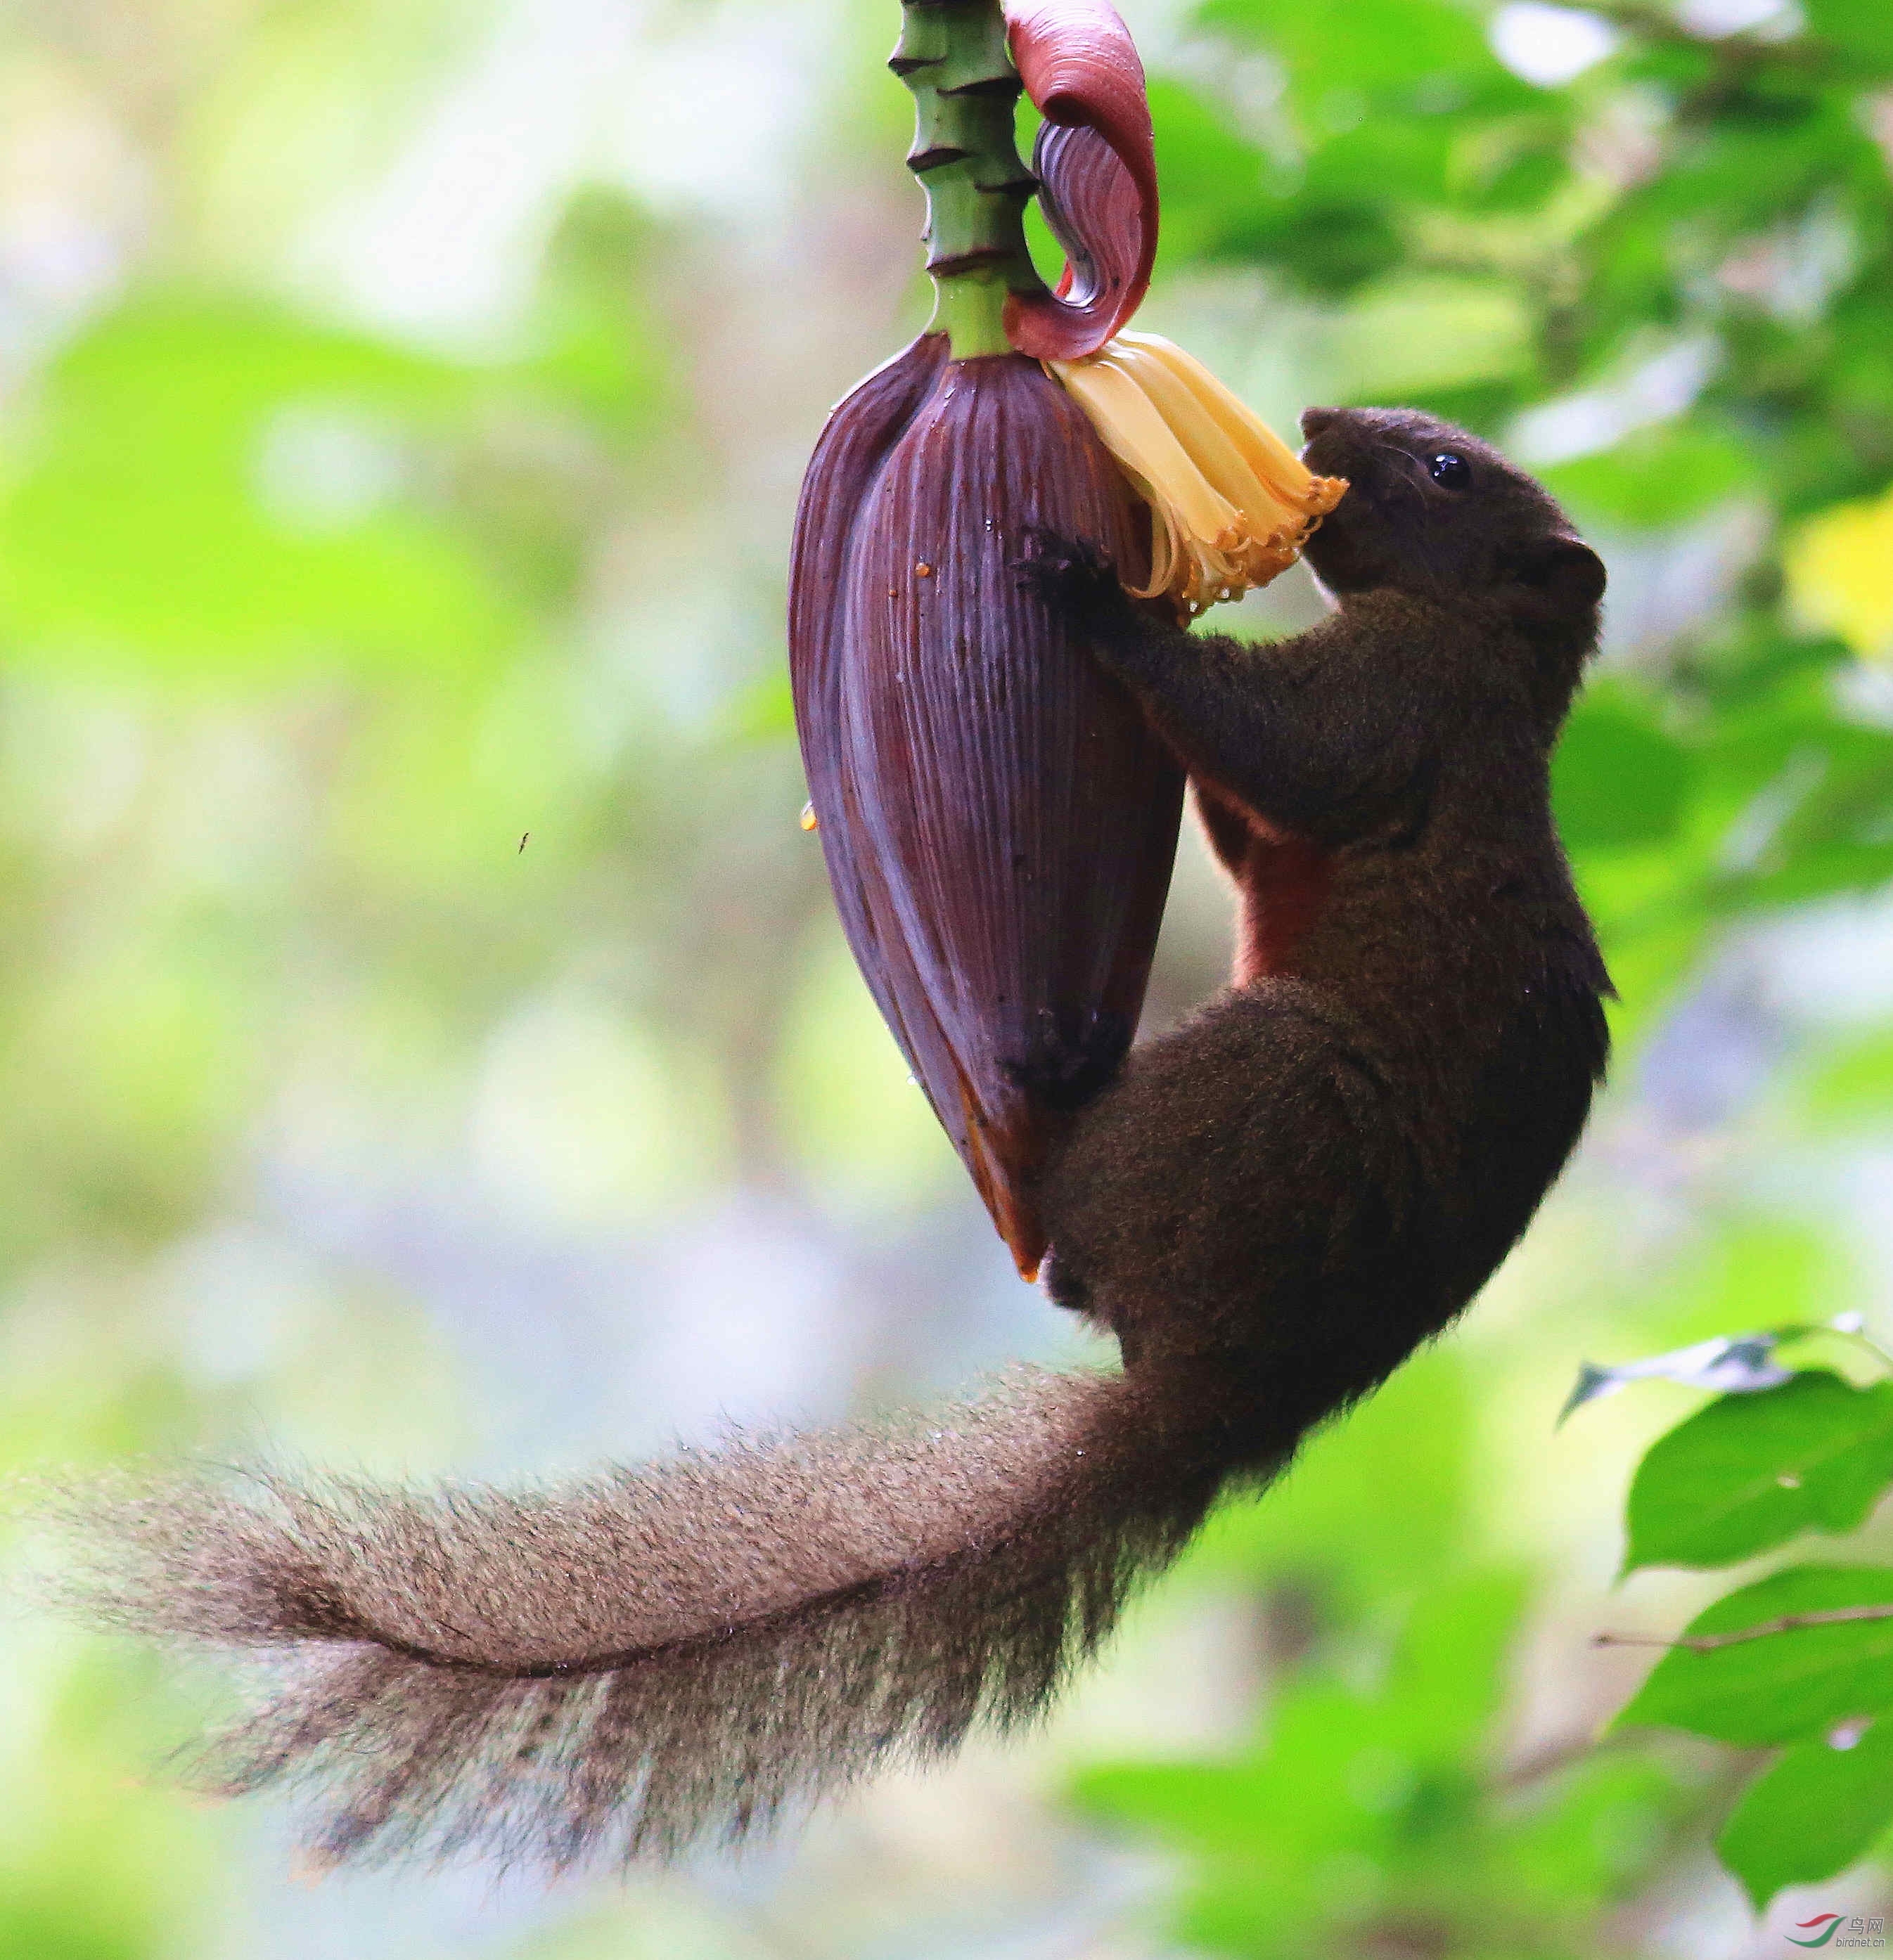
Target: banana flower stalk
[[998, 820]]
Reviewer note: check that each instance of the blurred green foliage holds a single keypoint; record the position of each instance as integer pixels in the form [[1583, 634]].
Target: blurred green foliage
[[422, 1020], [1665, 277], [1372, 1816]]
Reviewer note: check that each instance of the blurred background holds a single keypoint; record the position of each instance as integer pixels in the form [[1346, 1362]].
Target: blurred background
[[428, 1044]]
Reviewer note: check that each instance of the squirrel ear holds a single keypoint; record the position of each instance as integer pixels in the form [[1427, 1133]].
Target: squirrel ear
[[1566, 575]]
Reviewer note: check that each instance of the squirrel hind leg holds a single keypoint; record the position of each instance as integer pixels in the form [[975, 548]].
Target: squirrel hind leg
[[1221, 1195], [1063, 1286], [1066, 1286]]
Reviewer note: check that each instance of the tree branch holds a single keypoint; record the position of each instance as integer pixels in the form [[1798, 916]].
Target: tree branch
[[1788, 1623]]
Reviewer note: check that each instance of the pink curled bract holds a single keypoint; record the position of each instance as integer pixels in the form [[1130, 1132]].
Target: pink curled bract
[[999, 820], [1097, 170]]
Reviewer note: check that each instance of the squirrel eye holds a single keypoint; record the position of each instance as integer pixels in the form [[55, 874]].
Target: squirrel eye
[[1450, 471]]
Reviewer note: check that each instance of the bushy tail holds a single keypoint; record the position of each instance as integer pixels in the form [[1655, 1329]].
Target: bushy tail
[[658, 1654]]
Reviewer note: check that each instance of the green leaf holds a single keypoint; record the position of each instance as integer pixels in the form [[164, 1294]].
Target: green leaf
[[603, 347], [1383, 161], [1407, 335], [1389, 106], [1738, 174], [762, 710], [1861, 28], [1618, 779], [1511, 163], [1751, 1471], [1384, 1786], [1815, 1811], [1780, 1687], [1369, 47], [1330, 245], [1589, 1832], [1853, 1082], [1387, 1780], [1448, 1671], [1376, 1501], [223, 488], [1657, 476], [1215, 199], [1820, 825]]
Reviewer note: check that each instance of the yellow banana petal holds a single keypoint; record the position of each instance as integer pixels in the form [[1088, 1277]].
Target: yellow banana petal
[[1136, 431], [1271, 458], [1205, 442], [1230, 504], [1188, 517]]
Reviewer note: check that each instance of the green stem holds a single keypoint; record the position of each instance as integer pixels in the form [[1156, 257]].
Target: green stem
[[952, 55]]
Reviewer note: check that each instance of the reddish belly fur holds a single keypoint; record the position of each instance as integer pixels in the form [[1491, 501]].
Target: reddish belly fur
[[1285, 882]]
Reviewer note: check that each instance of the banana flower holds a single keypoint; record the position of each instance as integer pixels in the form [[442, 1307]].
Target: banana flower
[[998, 820]]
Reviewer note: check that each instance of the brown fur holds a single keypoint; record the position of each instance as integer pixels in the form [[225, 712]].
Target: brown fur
[[618, 1668], [1269, 1207], [1322, 1168]]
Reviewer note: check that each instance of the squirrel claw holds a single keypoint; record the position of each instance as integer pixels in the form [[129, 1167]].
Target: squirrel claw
[[1059, 570]]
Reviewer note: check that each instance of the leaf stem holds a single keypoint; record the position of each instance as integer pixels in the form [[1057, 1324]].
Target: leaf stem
[[1788, 1623], [952, 54]]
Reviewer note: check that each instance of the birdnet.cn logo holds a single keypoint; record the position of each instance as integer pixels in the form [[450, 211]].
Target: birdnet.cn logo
[[1834, 1929]]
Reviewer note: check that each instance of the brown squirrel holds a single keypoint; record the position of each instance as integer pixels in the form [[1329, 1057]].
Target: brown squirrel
[[1269, 1207]]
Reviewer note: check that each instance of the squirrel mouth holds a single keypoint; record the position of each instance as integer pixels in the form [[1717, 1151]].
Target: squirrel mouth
[[1324, 449]]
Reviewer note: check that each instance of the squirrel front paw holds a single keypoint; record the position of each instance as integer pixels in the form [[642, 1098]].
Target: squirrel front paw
[[1070, 574]]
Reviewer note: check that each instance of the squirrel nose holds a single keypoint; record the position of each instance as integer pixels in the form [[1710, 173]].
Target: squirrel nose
[[1315, 420]]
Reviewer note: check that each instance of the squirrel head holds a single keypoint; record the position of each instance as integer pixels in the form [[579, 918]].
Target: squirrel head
[[1435, 512]]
